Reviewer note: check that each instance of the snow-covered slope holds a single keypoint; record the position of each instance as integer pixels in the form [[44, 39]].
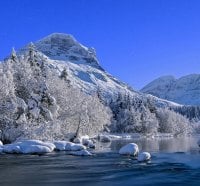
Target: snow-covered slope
[[83, 68], [185, 90], [62, 51]]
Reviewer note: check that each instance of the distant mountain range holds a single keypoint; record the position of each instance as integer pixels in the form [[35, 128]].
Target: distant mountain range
[[185, 90]]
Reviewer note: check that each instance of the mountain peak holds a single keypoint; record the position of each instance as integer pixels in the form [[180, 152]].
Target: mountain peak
[[60, 46], [58, 39]]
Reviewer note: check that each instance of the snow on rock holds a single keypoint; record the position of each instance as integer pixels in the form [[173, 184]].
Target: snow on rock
[[1, 144], [144, 156], [29, 147], [63, 145], [12, 149], [25, 143], [104, 138], [77, 147], [81, 153], [68, 146], [129, 149], [1, 150], [85, 140], [35, 149]]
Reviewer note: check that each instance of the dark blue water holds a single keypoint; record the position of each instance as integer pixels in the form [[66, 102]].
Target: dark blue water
[[174, 162]]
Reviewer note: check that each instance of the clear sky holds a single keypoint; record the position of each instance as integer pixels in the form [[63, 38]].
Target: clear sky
[[135, 40]]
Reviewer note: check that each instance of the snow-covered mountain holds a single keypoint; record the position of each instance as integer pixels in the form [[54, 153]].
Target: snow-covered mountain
[[62, 51], [55, 87], [185, 90]]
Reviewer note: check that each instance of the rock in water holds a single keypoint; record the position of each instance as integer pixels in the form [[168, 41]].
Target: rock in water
[[29, 147], [129, 149], [144, 156]]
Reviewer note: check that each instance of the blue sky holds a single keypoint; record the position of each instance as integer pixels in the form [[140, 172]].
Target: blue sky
[[135, 40]]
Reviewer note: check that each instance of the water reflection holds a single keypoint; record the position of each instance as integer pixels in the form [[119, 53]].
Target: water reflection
[[168, 145]]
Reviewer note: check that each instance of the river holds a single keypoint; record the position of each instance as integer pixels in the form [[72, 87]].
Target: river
[[175, 161]]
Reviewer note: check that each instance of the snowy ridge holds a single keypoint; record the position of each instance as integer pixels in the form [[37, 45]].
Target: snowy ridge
[[185, 90]]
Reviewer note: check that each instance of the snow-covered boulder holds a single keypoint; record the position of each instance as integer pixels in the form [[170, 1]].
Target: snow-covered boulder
[[104, 138], [12, 149], [85, 140], [25, 143], [77, 147], [36, 149], [1, 150], [144, 156], [29, 147], [1, 144], [81, 153], [68, 146], [129, 149], [63, 145]]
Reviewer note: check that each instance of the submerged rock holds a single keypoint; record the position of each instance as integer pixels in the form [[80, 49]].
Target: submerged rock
[[129, 149]]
